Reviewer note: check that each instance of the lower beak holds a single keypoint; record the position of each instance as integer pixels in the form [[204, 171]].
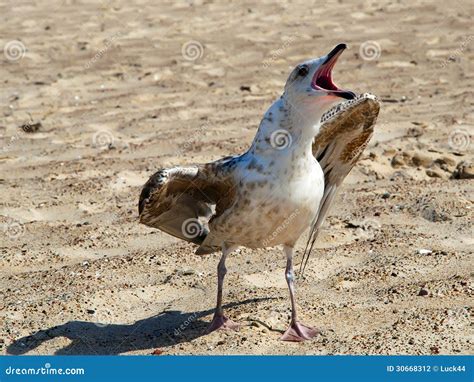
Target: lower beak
[[347, 94]]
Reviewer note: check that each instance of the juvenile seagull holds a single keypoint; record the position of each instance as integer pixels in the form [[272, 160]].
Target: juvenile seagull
[[306, 144]]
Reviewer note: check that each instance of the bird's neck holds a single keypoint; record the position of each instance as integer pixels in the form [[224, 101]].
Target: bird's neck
[[285, 131]]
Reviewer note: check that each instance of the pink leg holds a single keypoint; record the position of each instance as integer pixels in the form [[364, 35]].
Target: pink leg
[[297, 332], [220, 321]]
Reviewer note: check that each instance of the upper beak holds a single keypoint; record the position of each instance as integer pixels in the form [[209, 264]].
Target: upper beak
[[334, 54]]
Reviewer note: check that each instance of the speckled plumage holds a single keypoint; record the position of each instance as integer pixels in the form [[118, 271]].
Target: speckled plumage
[[253, 193], [242, 200]]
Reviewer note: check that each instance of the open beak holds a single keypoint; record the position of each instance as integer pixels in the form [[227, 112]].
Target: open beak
[[322, 79]]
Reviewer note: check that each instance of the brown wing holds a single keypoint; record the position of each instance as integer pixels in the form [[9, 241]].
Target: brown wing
[[181, 200], [344, 134]]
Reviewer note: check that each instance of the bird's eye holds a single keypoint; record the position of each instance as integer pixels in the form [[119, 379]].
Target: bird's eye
[[303, 70]]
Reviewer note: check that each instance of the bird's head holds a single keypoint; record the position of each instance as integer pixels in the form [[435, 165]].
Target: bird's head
[[310, 87]]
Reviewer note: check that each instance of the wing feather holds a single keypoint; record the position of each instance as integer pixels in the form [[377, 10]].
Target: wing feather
[[181, 201], [344, 134]]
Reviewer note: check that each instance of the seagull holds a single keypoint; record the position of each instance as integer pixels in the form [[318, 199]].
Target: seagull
[[306, 144]]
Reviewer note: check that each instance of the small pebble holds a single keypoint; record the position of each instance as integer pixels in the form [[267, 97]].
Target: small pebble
[[464, 170], [187, 272], [423, 292], [398, 161], [435, 173], [425, 251], [434, 350]]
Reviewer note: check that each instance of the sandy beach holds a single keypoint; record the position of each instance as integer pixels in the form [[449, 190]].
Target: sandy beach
[[97, 96]]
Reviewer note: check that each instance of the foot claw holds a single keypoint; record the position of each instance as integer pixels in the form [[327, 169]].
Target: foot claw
[[298, 332], [222, 322]]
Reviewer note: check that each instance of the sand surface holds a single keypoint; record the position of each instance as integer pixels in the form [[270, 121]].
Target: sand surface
[[111, 92]]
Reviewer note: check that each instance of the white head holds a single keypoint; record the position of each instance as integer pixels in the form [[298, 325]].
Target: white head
[[310, 87], [309, 93]]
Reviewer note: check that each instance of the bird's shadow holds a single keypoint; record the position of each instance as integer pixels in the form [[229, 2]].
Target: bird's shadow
[[163, 330]]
